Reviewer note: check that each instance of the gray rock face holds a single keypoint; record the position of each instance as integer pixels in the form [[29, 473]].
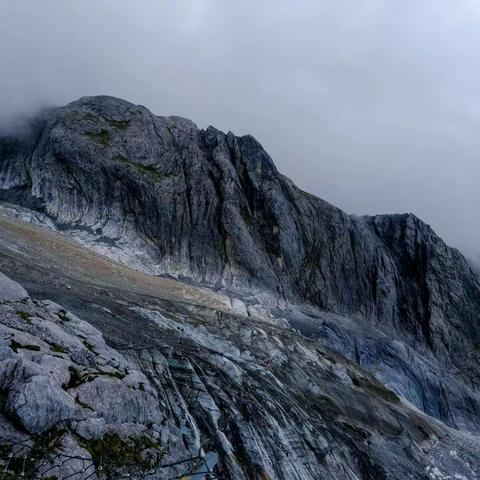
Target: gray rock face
[[270, 402], [35, 399], [165, 197], [56, 368], [10, 290], [60, 381]]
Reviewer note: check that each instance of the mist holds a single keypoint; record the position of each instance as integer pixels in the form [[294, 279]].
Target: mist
[[372, 105]]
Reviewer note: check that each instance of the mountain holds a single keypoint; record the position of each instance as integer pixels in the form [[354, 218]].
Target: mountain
[[163, 369], [299, 281]]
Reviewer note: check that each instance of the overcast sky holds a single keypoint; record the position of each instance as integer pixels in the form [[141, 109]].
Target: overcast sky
[[373, 105]]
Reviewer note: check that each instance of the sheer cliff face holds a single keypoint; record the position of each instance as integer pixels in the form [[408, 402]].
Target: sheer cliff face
[[221, 368], [165, 197]]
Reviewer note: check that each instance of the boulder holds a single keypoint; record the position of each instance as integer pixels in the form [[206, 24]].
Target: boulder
[[11, 291]]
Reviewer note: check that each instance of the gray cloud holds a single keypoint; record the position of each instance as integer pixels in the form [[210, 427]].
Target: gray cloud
[[373, 105]]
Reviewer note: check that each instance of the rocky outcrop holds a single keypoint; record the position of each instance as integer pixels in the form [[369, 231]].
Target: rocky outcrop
[[61, 386], [271, 403], [162, 196], [11, 291], [57, 368]]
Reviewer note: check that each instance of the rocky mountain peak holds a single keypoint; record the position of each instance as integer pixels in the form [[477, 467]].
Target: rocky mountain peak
[[212, 207], [168, 199]]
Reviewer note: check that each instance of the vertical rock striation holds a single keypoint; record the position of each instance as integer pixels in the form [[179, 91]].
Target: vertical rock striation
[[165, 197]]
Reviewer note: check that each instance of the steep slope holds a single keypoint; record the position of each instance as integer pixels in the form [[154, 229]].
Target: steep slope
[[170, 375], [168, 198], [165, 197]]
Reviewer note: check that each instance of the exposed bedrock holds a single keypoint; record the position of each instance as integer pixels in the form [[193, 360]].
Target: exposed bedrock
[[163, 196], [273, 404]]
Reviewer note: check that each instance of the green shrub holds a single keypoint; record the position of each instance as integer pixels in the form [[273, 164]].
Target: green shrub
[[122, 124], [149, 170], [24, 315], [103, 137], [76, 377], [57, 348], [114, 450], [14, 345]]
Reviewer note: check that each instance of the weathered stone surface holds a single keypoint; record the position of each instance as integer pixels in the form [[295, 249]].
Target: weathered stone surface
[[117, 402], [56, 370], [10, 290], [272, 403], [165, 197]]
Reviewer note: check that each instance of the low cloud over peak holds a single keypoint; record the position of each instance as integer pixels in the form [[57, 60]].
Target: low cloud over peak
[[372, 105]]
